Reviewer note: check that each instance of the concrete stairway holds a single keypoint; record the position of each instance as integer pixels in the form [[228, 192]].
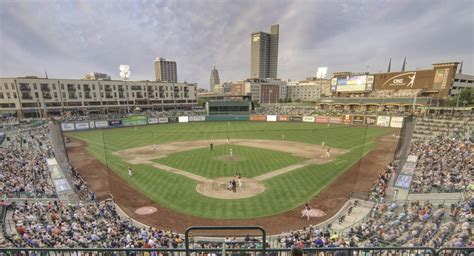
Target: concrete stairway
[[358, 213]]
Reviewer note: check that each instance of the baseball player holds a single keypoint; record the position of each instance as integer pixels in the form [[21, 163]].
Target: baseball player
[[239, 178], [327, 153], [230, 152], [130, 171], [306, 210]]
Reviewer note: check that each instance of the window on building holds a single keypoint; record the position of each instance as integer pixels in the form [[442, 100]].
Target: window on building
[[93, 87], [79, 86], [34, 86], [101, 94], [36, 95], [1, 95], [55, 94], [80, 94], [54, 86], [100, 86], [14, 95], [8, 95], [6, 86], [94, 94], [64, 95]]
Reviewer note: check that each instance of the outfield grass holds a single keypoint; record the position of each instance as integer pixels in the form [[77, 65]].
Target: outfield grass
[[250, 162], [283, 192]]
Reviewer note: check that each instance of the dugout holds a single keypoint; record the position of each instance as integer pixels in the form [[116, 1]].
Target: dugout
[[228, 107]]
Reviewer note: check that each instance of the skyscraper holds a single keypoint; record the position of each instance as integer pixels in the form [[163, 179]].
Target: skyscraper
[[214, 80], [165, 70], [264, 53]]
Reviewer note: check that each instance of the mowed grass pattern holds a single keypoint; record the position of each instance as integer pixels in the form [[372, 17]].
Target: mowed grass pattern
[[283, 193], [249, 161]]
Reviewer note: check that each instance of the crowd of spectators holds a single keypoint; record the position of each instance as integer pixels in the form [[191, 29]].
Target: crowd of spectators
[[23, 167], [377, 193], [57, 224], [445, 164], [72, 117]]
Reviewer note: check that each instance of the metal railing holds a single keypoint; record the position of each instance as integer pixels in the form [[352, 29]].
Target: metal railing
[[373, 251]]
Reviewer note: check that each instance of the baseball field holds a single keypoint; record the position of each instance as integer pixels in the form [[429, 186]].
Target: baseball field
[[283, 164]]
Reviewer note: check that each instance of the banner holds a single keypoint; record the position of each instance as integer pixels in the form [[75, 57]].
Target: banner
[[347, 119], [197, 118], [308, 119], [173, 119], [152, 120], [67, 126], [283, 118], [92, 124], [396, 121], [271, 118], [322, 119], [404, 181], [383, 121], [82, 126], [370, 120], [115, 123], [163, 120], [183, 119], [440, 78], [258, 118], [296, 118], [101, 124], [335, 120], [135, 120], [358, 119]]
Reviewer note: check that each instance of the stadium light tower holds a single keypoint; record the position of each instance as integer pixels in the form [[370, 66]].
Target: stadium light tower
[[125, 74]]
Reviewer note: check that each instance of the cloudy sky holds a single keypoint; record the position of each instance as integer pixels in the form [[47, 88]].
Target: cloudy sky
[[70, 38]]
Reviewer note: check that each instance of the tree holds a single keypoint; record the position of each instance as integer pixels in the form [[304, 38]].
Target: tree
[[466, 97]]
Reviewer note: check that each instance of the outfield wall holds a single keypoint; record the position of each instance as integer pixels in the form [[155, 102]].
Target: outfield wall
[[347, 119]]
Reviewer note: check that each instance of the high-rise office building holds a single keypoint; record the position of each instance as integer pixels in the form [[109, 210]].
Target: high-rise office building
[[264, 53], [165, 70], [214, 80]]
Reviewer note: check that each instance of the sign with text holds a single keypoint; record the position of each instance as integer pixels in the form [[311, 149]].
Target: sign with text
[[322, 119], [163, 120], [82, 126], [152, 120], [358, 119], [284, 118], [383, 121], [335, 120], [183, 119], [370, 120], [271, 118], [101, 124], [115, 123], [308, 119], [347, 119], [197, 118], [258, 118], [396, 121], [67, 127]]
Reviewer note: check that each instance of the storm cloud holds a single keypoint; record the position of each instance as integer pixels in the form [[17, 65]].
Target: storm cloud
[[70, 38]]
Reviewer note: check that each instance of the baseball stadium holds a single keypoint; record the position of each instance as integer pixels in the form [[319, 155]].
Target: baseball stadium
[[347, 163]]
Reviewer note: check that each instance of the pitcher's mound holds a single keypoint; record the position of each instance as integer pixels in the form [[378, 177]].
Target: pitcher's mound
[[217, 188], [145, 210], [315, 213]]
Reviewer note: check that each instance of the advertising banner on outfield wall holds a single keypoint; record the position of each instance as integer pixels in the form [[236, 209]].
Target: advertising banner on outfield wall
[[296, 118], [383, 121], [152, 120], [358, 119], [308, 119], [335, 120], [370, 120], [135, 120], [396, 121], [271, 118], [115, 123], [67, 127], [173, 119], [322, 119], [183, 119], [82, 126], [92, 124], [258, 118], [347, 119], [163, 120], [101, 124], [283, 118], [197, 118]]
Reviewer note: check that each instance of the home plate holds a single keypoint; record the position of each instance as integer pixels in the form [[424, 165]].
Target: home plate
[[315, 213], [145, 210]]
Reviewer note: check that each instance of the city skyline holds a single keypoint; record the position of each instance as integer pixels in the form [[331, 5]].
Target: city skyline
[[92, 36]]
